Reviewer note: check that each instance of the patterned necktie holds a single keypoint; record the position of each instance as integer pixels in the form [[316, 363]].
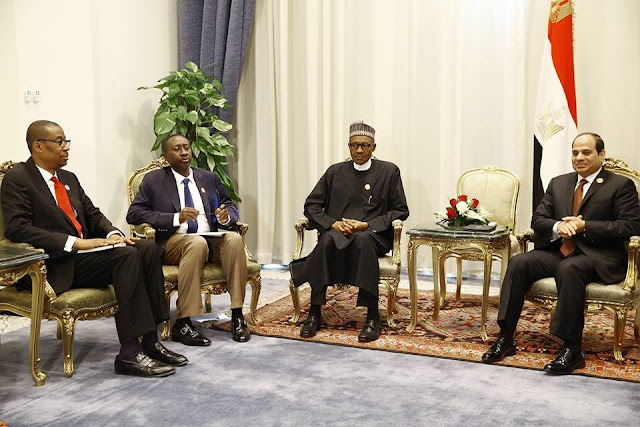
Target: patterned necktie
[[569, 246], [64, 203], [192, 226]]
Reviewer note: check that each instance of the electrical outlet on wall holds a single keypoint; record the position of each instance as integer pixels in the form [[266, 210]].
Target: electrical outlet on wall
[[36, 95], [28, 95]]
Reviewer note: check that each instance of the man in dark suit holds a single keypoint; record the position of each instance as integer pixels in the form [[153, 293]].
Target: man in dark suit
[[46, 206], [587, 215], [180, 201]]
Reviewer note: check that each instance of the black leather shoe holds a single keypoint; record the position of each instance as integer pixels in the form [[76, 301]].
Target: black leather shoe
[[499, 350], [142, 366], [370, 331], [566, 362], [189, 336], [164, 355], [310, 327], [240, 330]]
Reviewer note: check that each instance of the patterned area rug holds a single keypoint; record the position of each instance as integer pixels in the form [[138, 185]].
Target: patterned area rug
[[456, 334]]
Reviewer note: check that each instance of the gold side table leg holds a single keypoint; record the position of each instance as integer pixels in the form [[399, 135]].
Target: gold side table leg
[[435, 264], [485, 294], [413, 286], [295, 298], [37, 272]]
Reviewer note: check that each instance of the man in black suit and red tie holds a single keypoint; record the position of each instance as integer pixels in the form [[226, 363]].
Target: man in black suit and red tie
[[45, 206], [587, 216]]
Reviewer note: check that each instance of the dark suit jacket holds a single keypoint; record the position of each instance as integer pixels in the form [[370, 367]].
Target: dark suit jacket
[[31, 215], [612, 214], [157, 201]]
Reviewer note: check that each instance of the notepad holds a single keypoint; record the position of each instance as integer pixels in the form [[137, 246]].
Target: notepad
[[101, 248]]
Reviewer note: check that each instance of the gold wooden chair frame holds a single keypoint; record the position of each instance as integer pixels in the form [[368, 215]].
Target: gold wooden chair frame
[[66, 308], [497, 190], [389, 269], [618, 298], [213, 279]]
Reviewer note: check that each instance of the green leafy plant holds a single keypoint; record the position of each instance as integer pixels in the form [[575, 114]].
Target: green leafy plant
[[187, 106]]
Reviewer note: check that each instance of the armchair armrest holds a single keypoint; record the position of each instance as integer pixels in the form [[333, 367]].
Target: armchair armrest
[[632, 264], [301, 225], [144, 231], [397, 235], [524, 238]]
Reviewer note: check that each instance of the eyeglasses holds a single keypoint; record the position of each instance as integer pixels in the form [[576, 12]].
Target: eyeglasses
[[61, 142], [363, 145]]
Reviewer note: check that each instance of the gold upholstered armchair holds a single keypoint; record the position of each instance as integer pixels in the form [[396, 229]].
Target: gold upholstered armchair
[[213, 279], [497, 190], [389, 269], [617, 298], [66, 308]]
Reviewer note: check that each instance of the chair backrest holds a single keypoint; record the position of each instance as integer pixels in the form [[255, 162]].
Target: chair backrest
[[133, 184], [496, 189], [4, 168], [620, 167]]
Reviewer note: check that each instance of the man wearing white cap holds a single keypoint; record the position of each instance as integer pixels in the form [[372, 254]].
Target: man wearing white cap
[[353, 207]]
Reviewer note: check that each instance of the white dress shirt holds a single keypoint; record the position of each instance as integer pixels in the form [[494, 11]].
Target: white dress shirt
[[203, 224]]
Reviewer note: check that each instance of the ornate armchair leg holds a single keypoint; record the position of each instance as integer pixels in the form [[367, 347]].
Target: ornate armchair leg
[[256, 286], [37, 273], [619, 319], [59, 331], [458, 277], [207, 302], [166, 330], [636, 327], [392, 289], [296, 302], [166, 325], [68, 324]]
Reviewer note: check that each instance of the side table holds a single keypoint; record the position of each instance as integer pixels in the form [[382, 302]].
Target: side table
[[443, 243]]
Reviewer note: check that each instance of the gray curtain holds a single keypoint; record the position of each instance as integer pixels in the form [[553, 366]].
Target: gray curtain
[[216, 32]]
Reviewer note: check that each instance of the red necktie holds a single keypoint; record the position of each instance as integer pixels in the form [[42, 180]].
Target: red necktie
[[65, 204], [569, 246]]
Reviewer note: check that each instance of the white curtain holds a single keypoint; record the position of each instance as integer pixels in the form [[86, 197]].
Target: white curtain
[[448, 85]]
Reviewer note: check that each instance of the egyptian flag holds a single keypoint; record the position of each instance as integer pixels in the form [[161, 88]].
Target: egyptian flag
[[556, 119]]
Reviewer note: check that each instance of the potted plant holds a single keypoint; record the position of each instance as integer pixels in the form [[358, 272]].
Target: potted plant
[[187, 106]]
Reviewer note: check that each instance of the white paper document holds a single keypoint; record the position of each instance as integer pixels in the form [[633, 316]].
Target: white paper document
[[209, 234], [101, 248]]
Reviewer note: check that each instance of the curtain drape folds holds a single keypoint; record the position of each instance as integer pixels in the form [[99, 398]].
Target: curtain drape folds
[[216, 32]]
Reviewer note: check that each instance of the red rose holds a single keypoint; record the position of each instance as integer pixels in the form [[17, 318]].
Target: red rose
[[462, 197], [475, 203], [451, 213], [453, 202]]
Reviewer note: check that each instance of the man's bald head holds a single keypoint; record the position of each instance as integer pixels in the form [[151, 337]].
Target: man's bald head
[[36, 131]]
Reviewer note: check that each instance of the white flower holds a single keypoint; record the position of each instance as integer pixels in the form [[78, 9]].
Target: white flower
[[474, 215], [462, 207]]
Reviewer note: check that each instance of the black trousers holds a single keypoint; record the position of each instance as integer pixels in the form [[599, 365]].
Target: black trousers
[[354, 264], [136, 274], [571, 275]]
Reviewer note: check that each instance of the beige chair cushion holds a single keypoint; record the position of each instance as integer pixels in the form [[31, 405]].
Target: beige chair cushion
[[595, 291], [387, 267], [83, 299], [210, 272]]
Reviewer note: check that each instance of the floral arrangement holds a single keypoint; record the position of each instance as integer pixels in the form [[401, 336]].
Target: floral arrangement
[[463, 211]]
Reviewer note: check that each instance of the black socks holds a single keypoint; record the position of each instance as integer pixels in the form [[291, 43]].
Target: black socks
[[315, 310], [129, 349], [183, 321], [373, 314]]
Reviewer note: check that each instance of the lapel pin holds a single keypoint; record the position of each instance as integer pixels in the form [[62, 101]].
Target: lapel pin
[[67, 187], [367, 187], [599, 180], [202, 190]]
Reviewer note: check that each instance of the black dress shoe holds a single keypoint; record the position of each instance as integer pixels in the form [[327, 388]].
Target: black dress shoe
[[310, 327], [164, 355], [499, 350], [189, 336], [240, 330], [370, 331], [142, 366], [567, 361]]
